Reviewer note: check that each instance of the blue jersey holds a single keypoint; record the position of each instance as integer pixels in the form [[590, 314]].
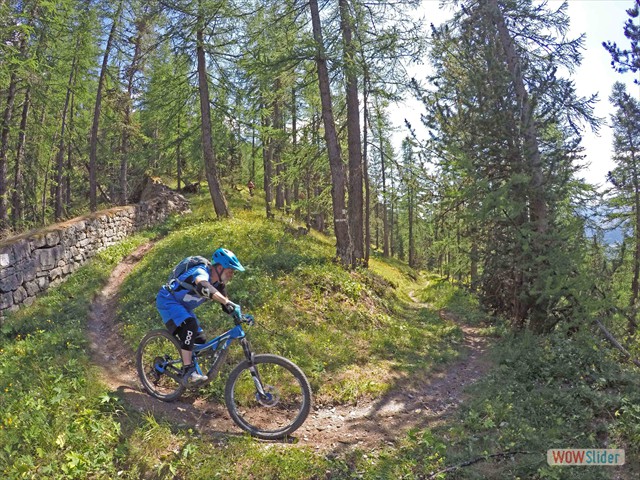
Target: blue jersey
[[177, 305]]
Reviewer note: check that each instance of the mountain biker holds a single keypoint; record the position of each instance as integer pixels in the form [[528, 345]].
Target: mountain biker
[[176, 302]]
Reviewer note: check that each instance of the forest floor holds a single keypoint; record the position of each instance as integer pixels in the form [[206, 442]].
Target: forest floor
[[412, 403]]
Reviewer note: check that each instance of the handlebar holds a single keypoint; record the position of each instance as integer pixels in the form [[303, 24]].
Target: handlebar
[[245, 318]]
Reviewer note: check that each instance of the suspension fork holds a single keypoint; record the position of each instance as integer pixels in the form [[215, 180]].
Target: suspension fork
[[246, 348]]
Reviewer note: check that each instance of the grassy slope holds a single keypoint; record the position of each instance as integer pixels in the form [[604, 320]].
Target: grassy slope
[[350, 332]]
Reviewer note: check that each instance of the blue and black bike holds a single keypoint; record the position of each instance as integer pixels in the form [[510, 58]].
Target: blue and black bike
[[266, 395]]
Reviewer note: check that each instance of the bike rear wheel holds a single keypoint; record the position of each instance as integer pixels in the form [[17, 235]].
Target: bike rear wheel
[[159, 365], [285, 405]]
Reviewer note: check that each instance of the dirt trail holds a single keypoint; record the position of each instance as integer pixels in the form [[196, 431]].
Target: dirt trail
[[368, 425]]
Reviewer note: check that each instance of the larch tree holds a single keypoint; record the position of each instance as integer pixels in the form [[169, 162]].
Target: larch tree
[[169, 115], [204, 31], [354, 142], [525, 105], [381, 131], [338, 177], [93, 141], [143, 17], [60, 155], [388, 39], [20, 41], [208, 152]]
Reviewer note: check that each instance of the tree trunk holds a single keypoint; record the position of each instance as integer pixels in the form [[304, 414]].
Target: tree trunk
[[308, 194], [93, 143], [377, 217], [385, 222], [539, 214], [252, 168], [354, 139], [411, 202], [367, 187], [179, 155], [16, 212], [340, 220], [267, 153], [294, 141], [217, 197], [33, 202], [44, 188], [276, 140], [635, 283], [61, 145], [277, 160], [287, 191], [267, 165], [391, 222], [124, 147], [617, 344], [315, 135], [4, 150], [70, 151]]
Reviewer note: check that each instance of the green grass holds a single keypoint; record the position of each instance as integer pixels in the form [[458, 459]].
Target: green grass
[[55, 420], [347, 331], [548, 392], [355, 334]]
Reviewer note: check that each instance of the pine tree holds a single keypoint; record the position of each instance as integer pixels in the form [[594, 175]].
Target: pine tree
[[505, 134], [627, 59], [626, 180]]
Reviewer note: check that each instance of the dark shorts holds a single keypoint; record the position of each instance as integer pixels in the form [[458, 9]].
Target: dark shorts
[[188, 333]]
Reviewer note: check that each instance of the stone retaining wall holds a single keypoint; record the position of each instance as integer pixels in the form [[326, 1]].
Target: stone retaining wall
[[32, 262]]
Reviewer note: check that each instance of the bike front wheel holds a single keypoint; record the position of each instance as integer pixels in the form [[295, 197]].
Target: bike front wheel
[[159, 365], [283, 405]]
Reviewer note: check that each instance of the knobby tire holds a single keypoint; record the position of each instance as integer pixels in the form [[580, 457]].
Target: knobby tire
[[250, 415], [155, 344]]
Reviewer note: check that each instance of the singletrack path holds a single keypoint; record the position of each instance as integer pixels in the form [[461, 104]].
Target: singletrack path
[[369, 425]]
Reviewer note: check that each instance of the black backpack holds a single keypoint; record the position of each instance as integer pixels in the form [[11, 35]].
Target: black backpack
[[182, 267]]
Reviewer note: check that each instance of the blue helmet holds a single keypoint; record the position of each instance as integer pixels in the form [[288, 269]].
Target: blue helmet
[[227, 259]]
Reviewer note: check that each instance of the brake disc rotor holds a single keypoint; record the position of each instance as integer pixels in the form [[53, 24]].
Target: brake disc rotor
[[270, 398]]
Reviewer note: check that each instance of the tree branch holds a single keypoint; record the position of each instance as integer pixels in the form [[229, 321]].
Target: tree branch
[[617, 344], [476, 460]]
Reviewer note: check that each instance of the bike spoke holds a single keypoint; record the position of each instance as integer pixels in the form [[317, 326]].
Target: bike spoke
[[282, 405], [269, 396], [159, 366]]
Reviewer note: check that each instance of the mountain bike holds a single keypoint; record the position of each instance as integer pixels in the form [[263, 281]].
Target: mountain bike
[[266, 395]]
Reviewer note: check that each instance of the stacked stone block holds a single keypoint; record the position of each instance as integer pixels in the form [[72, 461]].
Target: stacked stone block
[[31, 263]]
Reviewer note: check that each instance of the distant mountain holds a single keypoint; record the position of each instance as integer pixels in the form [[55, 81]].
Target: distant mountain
[[613, 237], [597, 220]]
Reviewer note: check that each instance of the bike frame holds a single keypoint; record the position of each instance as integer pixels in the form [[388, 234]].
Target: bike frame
[[236, 333], [229, 336]]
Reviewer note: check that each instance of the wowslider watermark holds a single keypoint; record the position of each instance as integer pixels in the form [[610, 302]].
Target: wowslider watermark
[[585, 456]]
